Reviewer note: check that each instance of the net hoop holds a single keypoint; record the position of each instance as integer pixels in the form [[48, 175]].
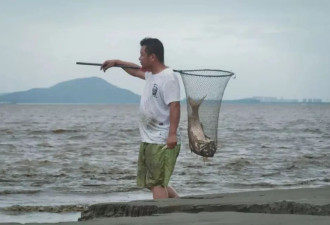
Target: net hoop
[[211, 73]]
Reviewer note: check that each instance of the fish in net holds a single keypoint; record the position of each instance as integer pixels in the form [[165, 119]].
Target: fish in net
[[204, 91]]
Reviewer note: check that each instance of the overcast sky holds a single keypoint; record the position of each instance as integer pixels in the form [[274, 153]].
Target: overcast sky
[[276, 48]]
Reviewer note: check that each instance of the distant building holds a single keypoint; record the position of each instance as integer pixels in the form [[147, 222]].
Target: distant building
[[265, 99], [275, 100], [317, 100], [312, 100]]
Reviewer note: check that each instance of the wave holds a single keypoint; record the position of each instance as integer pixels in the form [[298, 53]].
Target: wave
[[308, 160], [271, 185], [45, 144], [61, 131], [265, 146], [78, 137], [129, 130], [306, 182], [56, 131], [310, 156], [313, 131], [271, 174], [128, 177], [238, 164], [104, 188], [6, 131], [12, 192], [279, 147], [7, 180], [34, 164], [253, 185], [256, 129], [8, 147]]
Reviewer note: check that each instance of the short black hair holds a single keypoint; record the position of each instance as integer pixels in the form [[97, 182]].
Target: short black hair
[[154, 46]]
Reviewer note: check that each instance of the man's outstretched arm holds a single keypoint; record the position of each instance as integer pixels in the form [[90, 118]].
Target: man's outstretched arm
[[134, 72]]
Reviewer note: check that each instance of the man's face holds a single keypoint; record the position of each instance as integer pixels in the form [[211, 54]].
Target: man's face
[[145, 59]]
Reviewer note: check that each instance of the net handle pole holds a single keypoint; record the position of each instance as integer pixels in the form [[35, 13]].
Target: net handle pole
[[188, 72], [100, 64], [118, 65]]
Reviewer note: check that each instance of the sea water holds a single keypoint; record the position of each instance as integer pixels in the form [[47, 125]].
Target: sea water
[[71, 156]]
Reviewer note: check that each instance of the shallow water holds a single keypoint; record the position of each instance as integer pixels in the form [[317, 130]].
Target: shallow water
[[84, 154]]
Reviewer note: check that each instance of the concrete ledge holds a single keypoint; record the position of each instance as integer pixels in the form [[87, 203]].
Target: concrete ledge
[[313, 201]]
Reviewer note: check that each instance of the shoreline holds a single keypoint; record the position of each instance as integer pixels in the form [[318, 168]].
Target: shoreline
[[286, 205]]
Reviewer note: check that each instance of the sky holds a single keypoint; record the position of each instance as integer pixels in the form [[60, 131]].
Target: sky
[[276, 48]]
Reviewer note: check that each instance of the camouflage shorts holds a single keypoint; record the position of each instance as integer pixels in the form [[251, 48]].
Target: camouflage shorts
[[155, 165]]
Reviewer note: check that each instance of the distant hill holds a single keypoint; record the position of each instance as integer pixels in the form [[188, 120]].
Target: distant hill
[[91, 90]]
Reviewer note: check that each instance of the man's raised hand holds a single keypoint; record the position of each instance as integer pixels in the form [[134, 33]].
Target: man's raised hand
[[108, 64]]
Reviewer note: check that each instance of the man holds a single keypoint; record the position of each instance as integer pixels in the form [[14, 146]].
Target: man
[[159, 118]]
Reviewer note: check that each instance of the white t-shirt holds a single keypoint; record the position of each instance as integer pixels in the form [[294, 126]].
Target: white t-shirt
[[160, 90]]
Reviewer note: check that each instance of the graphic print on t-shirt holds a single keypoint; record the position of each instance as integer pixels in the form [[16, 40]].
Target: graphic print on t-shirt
[[154, 90]]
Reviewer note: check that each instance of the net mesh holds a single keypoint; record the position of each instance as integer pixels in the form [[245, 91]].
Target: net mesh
[[204, 91]]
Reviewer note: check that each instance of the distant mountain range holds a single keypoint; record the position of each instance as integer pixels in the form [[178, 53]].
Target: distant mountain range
[[91, 90], [95, 90]]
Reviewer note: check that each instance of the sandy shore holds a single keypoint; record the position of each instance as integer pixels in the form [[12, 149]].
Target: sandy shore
[[295, 206]]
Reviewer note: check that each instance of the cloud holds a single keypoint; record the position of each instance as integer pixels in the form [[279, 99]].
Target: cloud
[[268, 46]]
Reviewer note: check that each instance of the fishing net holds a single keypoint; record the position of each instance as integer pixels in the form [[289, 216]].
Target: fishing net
[[204, 90]]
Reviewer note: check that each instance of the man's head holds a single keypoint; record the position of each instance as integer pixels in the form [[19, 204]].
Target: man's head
[[152, 50]]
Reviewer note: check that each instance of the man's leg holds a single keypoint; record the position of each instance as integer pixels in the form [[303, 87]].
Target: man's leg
[[171, 192], [161, 171], [159, 192]]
